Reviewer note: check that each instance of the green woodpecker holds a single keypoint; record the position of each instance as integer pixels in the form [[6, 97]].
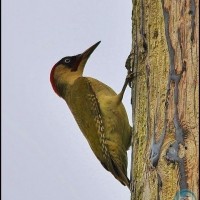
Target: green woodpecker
[[98, 111]]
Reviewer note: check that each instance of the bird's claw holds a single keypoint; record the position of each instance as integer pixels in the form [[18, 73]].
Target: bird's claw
[[130, 77]]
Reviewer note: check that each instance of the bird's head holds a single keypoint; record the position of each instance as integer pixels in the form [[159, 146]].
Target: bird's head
[[69, 68]]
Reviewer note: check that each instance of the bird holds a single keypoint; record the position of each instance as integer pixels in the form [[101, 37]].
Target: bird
[[98, 111]]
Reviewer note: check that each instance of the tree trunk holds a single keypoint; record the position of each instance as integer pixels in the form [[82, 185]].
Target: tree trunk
[[165, 99]]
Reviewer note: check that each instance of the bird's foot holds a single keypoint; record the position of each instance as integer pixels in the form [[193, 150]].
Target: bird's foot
[[131, 76]]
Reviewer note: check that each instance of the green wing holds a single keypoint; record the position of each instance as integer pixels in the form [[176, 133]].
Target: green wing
[[84, 105]]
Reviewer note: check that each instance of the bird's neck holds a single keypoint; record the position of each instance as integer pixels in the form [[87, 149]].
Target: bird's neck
[[64, 82]]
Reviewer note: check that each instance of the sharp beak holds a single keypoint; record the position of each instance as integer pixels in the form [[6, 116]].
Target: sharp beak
[[86, 54], [82, 58]]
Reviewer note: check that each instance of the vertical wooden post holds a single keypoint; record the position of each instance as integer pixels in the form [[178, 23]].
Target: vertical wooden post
[[165, 99]]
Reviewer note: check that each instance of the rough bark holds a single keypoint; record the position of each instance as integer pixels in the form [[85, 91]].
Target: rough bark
[[165, 98]]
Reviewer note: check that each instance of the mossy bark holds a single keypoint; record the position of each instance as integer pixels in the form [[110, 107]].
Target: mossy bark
[[165, 98]]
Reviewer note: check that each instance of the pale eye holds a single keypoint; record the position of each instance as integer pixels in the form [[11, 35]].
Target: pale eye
[[67, 60]]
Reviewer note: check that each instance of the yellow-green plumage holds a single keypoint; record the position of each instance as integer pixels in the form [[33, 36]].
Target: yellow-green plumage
[[101, 116]]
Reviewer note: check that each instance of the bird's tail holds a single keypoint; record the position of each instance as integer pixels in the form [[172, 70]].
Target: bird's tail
[[119, 174]]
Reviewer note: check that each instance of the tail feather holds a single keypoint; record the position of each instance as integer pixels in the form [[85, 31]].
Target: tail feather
[[120, 174]]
